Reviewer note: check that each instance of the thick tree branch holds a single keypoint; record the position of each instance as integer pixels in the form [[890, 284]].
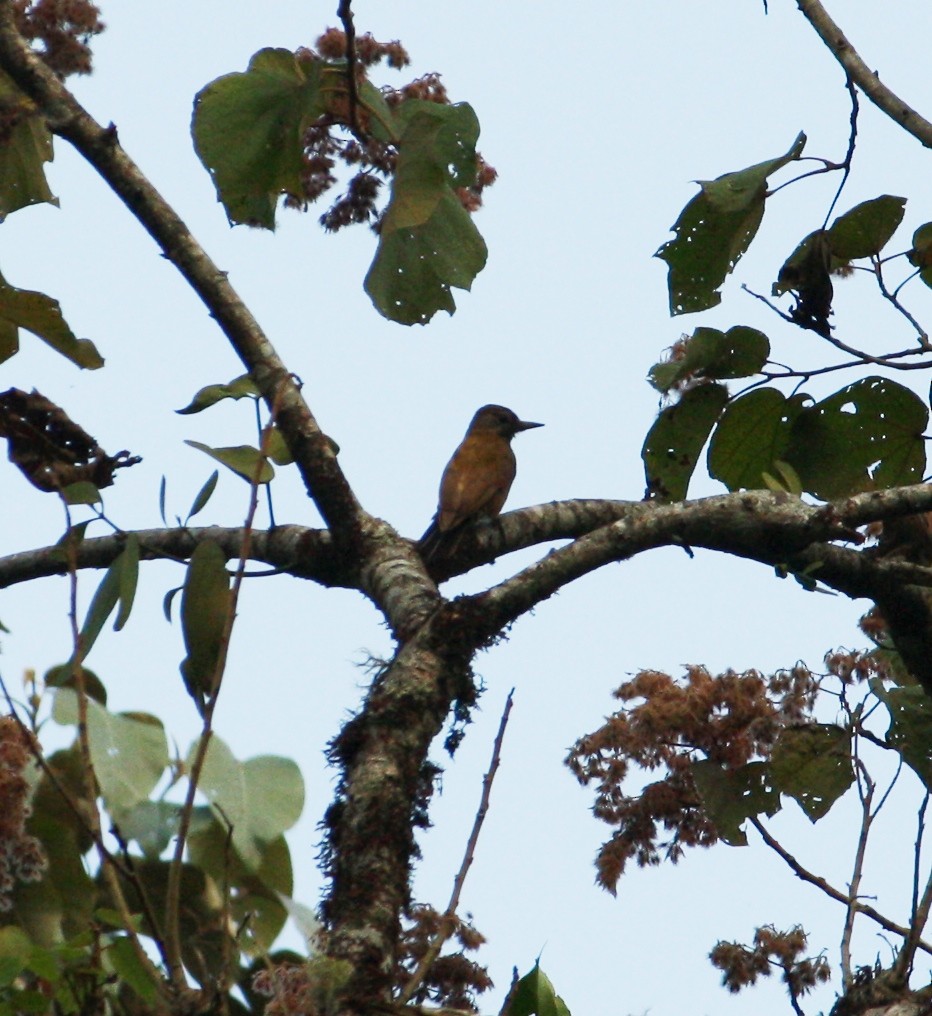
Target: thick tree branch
[[866, 79], [293, 550]]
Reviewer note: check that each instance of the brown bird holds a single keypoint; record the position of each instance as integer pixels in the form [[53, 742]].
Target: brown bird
[[477, 479]]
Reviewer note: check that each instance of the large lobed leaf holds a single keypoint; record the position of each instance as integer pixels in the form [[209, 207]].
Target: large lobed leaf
[[248, 130], [25, 147], [428, 242], [714, 230]]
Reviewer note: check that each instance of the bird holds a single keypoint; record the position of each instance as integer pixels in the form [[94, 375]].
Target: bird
[[478, 477]]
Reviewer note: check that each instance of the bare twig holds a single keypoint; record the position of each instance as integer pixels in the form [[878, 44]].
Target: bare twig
[[820, 883], [866, 79], [884, 360], [849, 155], [866, 788], [920, 910], [173, 890], [921, 333], [90, 817], [345, 14], [448, 920]]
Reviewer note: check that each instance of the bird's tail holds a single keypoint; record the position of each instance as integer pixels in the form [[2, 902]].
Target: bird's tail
[[430, 542]]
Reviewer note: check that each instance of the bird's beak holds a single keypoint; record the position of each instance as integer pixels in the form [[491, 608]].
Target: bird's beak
[[524, 425]]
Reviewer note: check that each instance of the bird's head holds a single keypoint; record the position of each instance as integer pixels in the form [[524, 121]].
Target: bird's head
[[500, 421]]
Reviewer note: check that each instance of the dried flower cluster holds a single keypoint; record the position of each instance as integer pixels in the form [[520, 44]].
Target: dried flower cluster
[[730, 719], [343, 135], [21, 856], [453, 980], [63, 28], [742, 965]]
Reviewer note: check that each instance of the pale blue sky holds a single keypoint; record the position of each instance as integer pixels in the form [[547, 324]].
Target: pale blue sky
[[598, 116]]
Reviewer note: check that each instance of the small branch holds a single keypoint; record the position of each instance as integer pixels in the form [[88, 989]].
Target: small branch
[[173, 890], [849, 155], [90, 816], [920, 910], [866, 788], [921, 333], [447, 921], [820, 883], [884, 360], [866, 79], [345, 14]]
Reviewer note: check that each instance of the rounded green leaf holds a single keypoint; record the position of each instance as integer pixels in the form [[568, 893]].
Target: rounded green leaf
[[248, 131], [129, 751], [672, 446], [813, 765], [865, 230], [868, 435], [751, 438]]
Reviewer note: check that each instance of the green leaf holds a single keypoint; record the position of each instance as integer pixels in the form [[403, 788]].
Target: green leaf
[[15, 948], [910, 731], [864, 230], [205, 607], [25, 147], [122, 959], [81, 492], [731, 796], [41, 315], [129, 750], [278, 451], [117, 586], [813, 765], [869, 435], [244, 460], [62, 676], [241, 387], [255, 903], [203, 496], [709, 353], [248, 131], [162, 487], [714, 230], [129, 575], [152, 824], [428, 242], [260, 798], [751, 437], [101, 607], [167, 602], [672, 446], [921, 253], [534, 995]]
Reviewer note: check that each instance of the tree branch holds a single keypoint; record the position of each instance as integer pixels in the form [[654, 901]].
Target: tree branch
[[866, 79], [820, 883]]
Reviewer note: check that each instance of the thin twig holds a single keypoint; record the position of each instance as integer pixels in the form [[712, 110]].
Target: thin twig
[[345, 14], [884, 360], [820, 883], [866, 79], [90, 816], [920, 910], [922, 334], [173, 890], [866, 788], [849, 155], [448, 920]]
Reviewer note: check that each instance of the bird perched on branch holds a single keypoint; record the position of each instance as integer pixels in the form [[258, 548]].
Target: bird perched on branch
[[477, 479]]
